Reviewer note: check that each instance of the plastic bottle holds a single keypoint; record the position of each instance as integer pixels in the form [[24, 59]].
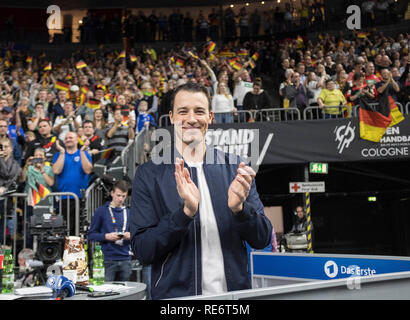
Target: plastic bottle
[[8, 272], [98, 267]]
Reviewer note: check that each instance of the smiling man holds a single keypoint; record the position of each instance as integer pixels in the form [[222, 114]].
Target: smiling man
[[189, 219]]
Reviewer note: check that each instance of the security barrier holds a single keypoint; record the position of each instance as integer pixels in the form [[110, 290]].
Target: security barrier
[[50, 207], [278, 114]]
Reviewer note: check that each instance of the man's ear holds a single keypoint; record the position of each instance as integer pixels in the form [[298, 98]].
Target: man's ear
[[211, 117], [171, 117]]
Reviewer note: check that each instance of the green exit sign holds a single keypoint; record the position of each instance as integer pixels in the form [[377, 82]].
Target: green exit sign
[[319, 167]]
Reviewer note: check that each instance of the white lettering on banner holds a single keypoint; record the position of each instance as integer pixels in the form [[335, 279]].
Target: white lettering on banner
[[332, 269], [231, 141], [385, 152]]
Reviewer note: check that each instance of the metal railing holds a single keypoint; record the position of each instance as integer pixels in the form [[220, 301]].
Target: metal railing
[[277, 114], [45, 206], [327, 112]]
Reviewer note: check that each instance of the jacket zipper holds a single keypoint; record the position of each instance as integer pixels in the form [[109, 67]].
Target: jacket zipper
[[162, 268], [195, 259]]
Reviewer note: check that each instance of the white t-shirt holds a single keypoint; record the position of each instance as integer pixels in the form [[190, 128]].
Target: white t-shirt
[[240, 90], [213, 271], [220, 103], [66, 127]]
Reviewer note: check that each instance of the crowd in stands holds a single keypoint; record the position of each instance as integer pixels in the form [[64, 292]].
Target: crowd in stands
[[231, 22], [99, 99]]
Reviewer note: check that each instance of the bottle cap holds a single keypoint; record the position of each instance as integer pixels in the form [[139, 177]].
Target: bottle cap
[[98, 247]]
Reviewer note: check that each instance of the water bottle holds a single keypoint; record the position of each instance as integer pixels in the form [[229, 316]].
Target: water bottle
[[98, 267], [8, 272]]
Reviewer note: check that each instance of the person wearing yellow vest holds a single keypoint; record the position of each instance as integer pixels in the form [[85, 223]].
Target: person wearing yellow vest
[[330, 98]]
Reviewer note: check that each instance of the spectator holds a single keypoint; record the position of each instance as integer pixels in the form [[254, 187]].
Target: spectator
[[45, 140], [38, 115], [95, 142], [296, 93], [315, 84], [144, 119], [71, 168], [99, 122], [9, 174], [67, 122], [36, 172], [120, 132], [16, 149], [331, 100], [55, 108], [110, 227], [256, 99], [222, 105], [386, 87]]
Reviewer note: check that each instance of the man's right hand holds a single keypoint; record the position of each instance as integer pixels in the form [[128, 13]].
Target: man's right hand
[[187, 189], [113, 236]]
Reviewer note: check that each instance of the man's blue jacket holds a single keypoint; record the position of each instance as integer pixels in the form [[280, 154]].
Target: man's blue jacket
[[163, 236]]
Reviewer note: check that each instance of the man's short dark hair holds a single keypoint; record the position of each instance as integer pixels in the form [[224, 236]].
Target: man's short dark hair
[[191, 87], [121, 185], [44, 120], [88, 121]]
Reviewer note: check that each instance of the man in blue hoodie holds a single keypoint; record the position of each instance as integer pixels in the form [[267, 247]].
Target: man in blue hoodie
[[190, 216], [110, 227]]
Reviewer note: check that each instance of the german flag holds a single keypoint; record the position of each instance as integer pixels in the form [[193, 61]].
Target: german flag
[[237, 66], [211, 46], [106, 154], [133, 57], [84, 89], [93, 104], [121, 55], [252, 64], [42, 190], [60, 85], [35, 197], [375, 119], [47, 67], [180, 63], [80, 64], [362, 35], [255, 56], [242, 52], [29, 59]]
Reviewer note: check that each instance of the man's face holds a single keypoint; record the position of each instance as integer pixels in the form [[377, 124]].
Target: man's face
[[300, 212], [70, 139], [295, 79], [3, 128], [3, 103], [62, 96], [68, 107], [44, 128], [370, 68], [190, 116], [118, 197], [88, 129]]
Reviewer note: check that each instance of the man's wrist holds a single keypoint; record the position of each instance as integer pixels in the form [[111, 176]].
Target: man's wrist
[[237, 209]]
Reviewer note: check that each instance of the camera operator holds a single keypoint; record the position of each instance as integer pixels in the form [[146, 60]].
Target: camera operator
[[9, 173], [36, 173], [110, 227]]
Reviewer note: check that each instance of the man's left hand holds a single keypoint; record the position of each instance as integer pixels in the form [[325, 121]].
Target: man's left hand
[[239, 189]]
